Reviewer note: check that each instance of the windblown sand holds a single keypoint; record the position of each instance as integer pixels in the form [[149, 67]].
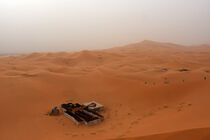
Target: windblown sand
[[150, 90]]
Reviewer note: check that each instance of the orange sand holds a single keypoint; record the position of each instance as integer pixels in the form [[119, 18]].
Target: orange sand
[[146, 94]]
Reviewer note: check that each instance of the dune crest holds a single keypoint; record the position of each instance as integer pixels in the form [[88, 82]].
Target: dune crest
[[192, 134]]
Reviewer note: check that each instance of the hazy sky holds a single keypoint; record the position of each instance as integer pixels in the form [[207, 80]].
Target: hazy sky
[[69, 25]]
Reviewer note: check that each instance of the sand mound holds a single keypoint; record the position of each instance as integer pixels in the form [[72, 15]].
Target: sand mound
[[147, 88], [193, 134]]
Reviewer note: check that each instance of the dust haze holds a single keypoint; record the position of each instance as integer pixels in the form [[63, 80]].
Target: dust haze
[[147, 62], [72, 25]]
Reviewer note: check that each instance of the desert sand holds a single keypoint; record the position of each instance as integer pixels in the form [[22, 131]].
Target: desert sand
[[150, 90]]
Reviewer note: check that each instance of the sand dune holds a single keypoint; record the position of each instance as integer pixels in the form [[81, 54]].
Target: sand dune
[[193, 134], [151, 90]]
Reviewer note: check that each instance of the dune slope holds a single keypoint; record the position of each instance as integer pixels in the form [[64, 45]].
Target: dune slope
[[193, 134]]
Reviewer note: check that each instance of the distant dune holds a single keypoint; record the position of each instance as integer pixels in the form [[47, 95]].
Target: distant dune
[[151, 91]]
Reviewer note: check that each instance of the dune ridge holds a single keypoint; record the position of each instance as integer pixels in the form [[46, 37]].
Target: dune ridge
[[192, 134]]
